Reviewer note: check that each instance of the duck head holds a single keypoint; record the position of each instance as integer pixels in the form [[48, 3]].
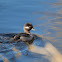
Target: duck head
[[28, 27]]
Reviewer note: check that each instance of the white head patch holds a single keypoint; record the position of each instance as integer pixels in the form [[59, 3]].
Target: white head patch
[[27, 27]]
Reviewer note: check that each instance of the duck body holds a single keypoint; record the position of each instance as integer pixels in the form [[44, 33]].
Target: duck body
[[23, 37]]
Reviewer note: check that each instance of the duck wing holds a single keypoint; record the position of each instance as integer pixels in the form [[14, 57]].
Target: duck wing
[[20, 35]]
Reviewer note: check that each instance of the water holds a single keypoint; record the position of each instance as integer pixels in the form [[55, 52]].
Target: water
[[46, 17]]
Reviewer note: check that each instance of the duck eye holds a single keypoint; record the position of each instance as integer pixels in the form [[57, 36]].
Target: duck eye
[[28, 26]]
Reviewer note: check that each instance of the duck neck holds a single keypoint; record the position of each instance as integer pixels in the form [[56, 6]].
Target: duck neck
[[27, 32]]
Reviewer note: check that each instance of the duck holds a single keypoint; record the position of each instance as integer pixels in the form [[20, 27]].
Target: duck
[[26, 37]]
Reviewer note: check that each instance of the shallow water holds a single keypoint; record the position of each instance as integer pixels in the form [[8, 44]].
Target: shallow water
[[45, 15]]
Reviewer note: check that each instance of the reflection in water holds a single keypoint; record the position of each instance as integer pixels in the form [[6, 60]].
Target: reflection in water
[[50, 52], [53, 29], [58, 3], [4, 59], [48, 13], [18, 54], [53, 25]]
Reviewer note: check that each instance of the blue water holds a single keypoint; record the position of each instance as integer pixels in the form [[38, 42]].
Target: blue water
[[45, 15], [15, 13]]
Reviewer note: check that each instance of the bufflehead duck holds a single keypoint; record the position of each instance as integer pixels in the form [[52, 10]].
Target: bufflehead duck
[[26, 36]]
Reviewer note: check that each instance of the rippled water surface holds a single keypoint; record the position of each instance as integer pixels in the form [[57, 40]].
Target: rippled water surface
[[46, 17]]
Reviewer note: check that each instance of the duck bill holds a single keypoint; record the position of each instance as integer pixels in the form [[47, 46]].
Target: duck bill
[[33, 29]]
